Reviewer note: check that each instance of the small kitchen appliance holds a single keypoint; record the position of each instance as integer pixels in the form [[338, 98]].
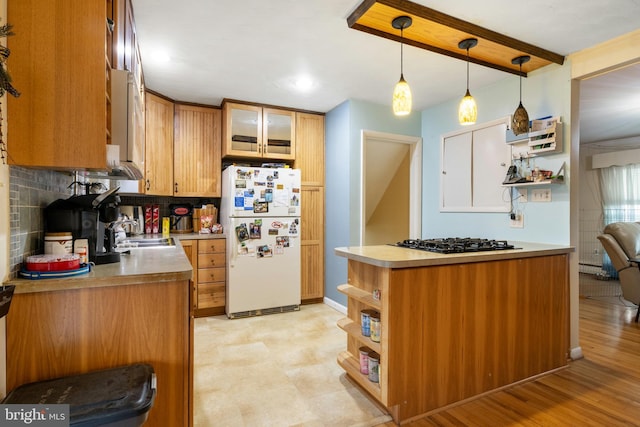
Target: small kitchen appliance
[[87, 217], [181, 219]]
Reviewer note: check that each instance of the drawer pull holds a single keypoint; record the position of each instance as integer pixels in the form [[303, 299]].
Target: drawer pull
[[213, 262]]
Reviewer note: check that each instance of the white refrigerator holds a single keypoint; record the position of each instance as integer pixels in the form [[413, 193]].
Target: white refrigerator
[[260, 213]]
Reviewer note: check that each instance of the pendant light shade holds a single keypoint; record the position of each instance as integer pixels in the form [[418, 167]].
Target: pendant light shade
[[401, 98], [467, 110], [520, 118], [402, 93]]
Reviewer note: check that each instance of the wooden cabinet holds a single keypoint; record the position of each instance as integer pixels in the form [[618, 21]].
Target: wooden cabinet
[[196, 151], [159, 146], [60, 64], [453, 332], [208, 259], [312, 244], [92, 328], [310, 161], [258, 132], [190, 249], [183, 149], [211, 277]]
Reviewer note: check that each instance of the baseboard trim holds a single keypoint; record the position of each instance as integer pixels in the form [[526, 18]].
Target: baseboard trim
[[336, 306]]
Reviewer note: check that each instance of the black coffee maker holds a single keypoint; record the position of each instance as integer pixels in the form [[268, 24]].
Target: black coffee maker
[[87, 217]]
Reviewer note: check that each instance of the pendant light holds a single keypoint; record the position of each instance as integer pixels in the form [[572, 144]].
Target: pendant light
[[402, 93], [520, 119], [468, 110]]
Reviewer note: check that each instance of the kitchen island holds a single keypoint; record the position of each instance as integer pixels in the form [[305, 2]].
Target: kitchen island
[[455, 326], [136, 310]]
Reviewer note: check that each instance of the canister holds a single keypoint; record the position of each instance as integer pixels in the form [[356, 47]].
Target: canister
[[58, 243], [364, 360], [81, 247], [374, 367], [374, 322], [365, 322]]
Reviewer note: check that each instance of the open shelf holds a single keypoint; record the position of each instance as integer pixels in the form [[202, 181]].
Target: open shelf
[[535, 183], [360, 295], [353, 329], [352, 366]]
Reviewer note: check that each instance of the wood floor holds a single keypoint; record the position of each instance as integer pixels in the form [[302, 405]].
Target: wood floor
[[602, 389]]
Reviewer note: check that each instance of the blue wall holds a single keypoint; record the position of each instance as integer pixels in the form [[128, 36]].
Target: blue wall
[[344, 125], [545, 92]]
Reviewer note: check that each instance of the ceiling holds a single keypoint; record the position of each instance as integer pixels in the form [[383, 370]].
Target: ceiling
[[254, 50]]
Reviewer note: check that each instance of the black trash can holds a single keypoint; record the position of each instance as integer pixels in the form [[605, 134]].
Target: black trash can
[[117, 397]]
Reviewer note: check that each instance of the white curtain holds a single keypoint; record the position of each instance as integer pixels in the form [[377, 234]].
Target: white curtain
[[620, 189]]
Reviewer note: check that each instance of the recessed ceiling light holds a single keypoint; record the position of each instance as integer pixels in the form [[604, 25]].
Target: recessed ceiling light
[[304, 83], [161, 56]]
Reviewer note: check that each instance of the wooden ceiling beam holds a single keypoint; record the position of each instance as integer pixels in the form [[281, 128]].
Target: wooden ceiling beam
[[441, 33]]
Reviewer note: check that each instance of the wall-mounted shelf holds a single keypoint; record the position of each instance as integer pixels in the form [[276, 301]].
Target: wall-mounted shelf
[[544, 138], [535, 183], [559, 179]]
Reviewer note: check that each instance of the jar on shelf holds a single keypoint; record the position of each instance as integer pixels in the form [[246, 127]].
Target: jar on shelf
[[364, 360], [365, 321], [374, 367], [374, 321]]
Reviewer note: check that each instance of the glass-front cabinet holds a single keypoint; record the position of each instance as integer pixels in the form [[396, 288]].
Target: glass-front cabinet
[[254, 131]]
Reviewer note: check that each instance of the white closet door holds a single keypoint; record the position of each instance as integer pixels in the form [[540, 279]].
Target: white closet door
[[455, 190], [490, 161]]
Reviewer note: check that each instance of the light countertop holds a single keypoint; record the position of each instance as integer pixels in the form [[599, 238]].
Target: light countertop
[[141, 265], [396, 257]]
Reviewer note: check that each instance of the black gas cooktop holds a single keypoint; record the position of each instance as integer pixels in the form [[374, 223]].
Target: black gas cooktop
[[455, 245]]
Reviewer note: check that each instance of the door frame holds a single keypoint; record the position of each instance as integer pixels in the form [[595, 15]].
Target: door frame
[[415, 177]]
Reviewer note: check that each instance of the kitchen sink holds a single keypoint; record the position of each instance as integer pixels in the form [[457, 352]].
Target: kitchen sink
[[157, 242]]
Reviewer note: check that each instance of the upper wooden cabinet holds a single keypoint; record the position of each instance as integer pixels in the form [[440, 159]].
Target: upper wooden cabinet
[[159, 146], [258, 132], [310, 148], [196, 151], [59, 62]]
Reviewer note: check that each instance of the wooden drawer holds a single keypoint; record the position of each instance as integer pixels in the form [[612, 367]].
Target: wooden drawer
[[211, 295], [206, 275], [211, 260], [209, 246]]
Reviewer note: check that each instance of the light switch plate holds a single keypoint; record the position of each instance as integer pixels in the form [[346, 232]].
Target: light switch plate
[[541, 195]]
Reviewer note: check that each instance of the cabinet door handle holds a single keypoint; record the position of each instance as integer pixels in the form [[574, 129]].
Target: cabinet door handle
[[148, 185], [175, 189]]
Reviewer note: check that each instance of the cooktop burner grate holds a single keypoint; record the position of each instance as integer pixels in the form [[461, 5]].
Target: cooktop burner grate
[[455, 245]]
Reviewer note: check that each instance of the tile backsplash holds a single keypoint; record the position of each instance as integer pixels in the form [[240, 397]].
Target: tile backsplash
[[31, 190]]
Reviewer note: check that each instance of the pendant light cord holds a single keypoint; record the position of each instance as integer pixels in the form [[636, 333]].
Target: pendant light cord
[[521, 83], [467, 69], [401, 52]]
